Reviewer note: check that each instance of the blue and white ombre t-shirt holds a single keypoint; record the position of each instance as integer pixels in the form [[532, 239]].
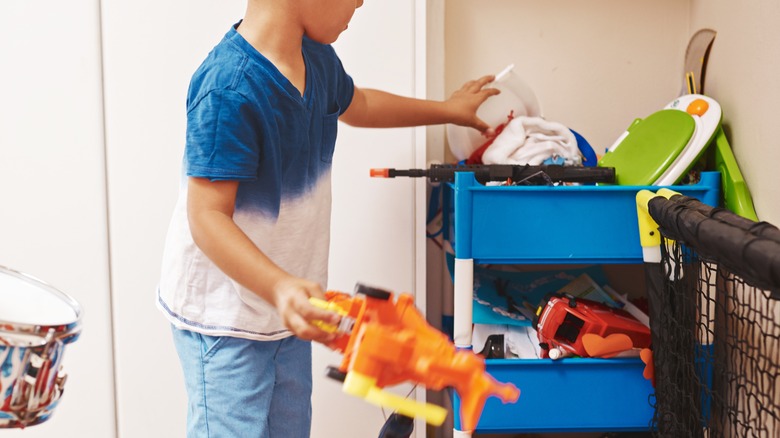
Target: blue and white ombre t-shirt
[[247, 122]]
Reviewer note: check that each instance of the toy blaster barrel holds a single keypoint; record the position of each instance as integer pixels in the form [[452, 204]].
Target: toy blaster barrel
[[386, 341], [520, 174]]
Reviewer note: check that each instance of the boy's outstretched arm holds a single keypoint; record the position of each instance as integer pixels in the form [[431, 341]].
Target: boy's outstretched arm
[[210, 206], [378, 109]]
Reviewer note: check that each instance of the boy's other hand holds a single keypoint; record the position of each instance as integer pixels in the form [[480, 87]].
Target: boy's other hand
[[291, 298], [464, 102]]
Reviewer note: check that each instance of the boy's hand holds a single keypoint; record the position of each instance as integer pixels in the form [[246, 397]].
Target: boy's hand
[[291, 298], [463, 103]]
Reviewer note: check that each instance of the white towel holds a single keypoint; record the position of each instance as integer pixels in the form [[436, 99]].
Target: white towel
[[532, 140]]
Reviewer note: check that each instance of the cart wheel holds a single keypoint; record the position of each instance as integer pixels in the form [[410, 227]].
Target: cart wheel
[[397, 426], [336, 374], [372, 292]]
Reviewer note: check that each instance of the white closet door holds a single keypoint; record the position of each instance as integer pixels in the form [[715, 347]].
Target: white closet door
[[52, 189], [151, 48]]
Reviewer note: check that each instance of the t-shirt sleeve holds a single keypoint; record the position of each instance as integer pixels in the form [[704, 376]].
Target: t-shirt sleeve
[[345, 87], [222, 139]]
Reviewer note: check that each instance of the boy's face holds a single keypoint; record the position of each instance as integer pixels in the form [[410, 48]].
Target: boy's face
[[324, 20]]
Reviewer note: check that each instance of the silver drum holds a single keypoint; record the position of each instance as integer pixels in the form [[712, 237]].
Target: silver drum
[[37, 322]]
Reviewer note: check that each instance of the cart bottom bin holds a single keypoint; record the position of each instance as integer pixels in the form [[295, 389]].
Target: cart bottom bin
[[570, 394]]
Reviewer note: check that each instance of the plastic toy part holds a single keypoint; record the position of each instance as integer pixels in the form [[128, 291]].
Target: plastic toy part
[[707, 115], [568, 326], [521, 174], [663, 147], [698, 107], [386, 341], [380, 173], [736, 196], [649, 147], [365, 387]]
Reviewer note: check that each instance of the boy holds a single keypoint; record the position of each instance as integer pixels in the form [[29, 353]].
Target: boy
[[248, 242]]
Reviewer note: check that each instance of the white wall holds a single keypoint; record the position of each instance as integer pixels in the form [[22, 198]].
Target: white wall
[[52, 188]]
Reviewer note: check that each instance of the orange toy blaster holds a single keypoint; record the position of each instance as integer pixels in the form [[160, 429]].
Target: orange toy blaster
[[386, 342]]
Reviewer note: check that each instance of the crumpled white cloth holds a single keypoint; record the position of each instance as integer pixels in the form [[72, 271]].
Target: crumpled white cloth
[[520, 342], [532, 140]]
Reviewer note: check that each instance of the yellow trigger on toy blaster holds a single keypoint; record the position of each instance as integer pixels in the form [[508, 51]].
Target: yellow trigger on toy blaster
[[345, 324]]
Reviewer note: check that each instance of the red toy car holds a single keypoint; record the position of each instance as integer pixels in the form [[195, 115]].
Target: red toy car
[[562, 320]]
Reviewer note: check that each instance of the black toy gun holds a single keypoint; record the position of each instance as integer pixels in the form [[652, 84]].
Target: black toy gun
[[545, 174]]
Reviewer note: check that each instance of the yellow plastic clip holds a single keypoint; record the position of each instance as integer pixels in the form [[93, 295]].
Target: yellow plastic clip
[[667, 193], [648, 228]]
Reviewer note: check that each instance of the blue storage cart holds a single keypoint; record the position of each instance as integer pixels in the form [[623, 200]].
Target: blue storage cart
[[538, 225]]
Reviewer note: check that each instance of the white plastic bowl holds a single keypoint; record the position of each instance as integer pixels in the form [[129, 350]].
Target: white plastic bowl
[[515, 96]]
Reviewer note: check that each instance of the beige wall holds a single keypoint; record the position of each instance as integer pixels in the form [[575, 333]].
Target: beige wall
[[597, 65], [742, 75]]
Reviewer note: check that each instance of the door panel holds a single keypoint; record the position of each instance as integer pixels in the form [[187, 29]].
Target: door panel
[[52, 189]]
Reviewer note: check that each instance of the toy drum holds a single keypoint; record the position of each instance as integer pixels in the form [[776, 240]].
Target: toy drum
[[37, 321]]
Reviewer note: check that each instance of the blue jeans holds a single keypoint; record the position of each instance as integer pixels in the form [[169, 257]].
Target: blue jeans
[[237, 388]]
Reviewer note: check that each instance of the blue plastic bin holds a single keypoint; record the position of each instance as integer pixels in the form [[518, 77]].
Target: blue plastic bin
[[547, 225], [567, 395]]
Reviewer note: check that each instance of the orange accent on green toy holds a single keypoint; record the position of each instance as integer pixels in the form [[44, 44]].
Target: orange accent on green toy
[[380, 173], [698, 107]]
